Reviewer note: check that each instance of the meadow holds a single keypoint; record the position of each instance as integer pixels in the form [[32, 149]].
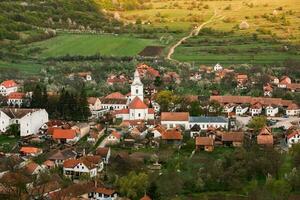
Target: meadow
[[24, 67], [86, 44]]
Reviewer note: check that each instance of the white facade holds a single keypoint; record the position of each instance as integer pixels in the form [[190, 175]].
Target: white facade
[[30, 123], [218, 67], [208, 122], [80, 169], [293, 112], [294, 139], [101, 196], [138, 114], [173, 124], [255, 111], [241, 110], [137, 87], [5, 91], [15, 102], [271, 111]]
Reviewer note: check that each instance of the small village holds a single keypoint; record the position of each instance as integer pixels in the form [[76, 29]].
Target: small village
[[66, 159]]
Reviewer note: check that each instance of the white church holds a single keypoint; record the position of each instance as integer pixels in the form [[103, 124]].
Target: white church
[[136, 109]]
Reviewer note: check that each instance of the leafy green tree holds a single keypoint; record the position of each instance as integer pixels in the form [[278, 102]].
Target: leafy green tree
[[133, 185], [257, 123]]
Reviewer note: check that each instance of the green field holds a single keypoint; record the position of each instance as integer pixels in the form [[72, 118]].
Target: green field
[[233, 49], [22, 67], [7, 143], [85, 44]]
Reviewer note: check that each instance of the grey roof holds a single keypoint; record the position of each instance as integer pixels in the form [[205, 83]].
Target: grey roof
[[63, 154], [204, 119], [17, 113]]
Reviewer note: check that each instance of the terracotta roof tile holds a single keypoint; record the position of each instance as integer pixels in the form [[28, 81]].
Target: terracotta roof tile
[[171, 134], [146, 197], [137, 103], [174, 116], [115, 95], [9, 83], [64, 134], [233, 137], [16, 95], [105, 191], [30, 150], [205, 141]]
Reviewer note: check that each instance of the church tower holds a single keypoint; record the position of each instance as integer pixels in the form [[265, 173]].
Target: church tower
[[137, 88]]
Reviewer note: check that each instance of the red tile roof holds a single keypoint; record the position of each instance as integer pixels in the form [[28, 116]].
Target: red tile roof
[[151, 111], [285, 80], [30, 150], [105, 191], [9, 83], [122, 111], [146, 197], [171, 134], [204, 141], [293, 106], [31, 167], [116, 134], [265, 136], [175, 116], [115, 95], [64, 134], [137, 103], [92, 100], [294, 133], [16, 95]]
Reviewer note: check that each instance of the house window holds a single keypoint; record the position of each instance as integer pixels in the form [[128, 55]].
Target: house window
[[139, 114], [136, 91]]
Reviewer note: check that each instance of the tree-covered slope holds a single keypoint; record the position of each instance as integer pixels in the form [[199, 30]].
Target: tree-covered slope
[[18, 18]]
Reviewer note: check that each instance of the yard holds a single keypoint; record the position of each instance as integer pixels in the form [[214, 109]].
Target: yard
[[87, 44], [7, 143]]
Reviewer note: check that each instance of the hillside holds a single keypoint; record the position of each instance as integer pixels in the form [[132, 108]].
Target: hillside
[[19, 18]]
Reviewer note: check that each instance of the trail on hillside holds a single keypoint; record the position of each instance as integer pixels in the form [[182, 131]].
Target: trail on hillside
[[194, 32]]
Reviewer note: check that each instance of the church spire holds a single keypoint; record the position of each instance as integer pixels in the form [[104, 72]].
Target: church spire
[[137, 79]]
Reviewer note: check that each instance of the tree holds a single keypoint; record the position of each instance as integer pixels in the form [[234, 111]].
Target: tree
[[257, 123], [133, 185], [165, 99]]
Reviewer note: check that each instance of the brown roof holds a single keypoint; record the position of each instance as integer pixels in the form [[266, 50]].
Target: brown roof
[[103, 190], [17, 112], [113, 101], [233, 137], [265, 136], [71, 163], [204, 141], [63, 154], [172, 134], [175, 116], [102, 151], [30, 150], [146, 197], [293, 106], [92, 100], [31, 167], [115, 95]]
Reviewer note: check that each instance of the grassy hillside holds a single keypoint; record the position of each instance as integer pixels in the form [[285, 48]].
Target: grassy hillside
[[85, 44], [276, 18], [18, 18]]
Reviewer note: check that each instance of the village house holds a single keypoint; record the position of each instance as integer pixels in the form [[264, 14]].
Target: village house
[[172, 136], [284, 81], [218, 67], [65, 135], [114, 138], [293, 110], [175, 119], [195, 131], [228, 108], [116, 79], [268, 90], [7, 87], [241, 109], [95, 107], [157, 131], [74, 168], [205, 143], [29, 120], [255, 109], [293, 138], [86, 76], [15, 99], [105, 153], [30, 151], [59, 156], [171, 77], [102, 193], [82, 129], [206, 122], [146, 71], [234, 139], [242, 80], [274, 80], [293, 87], [33, 168], [145, 197], [271, 110], [265, 137]]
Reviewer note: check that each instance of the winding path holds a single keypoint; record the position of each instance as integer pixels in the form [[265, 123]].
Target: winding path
[[194, 32]]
